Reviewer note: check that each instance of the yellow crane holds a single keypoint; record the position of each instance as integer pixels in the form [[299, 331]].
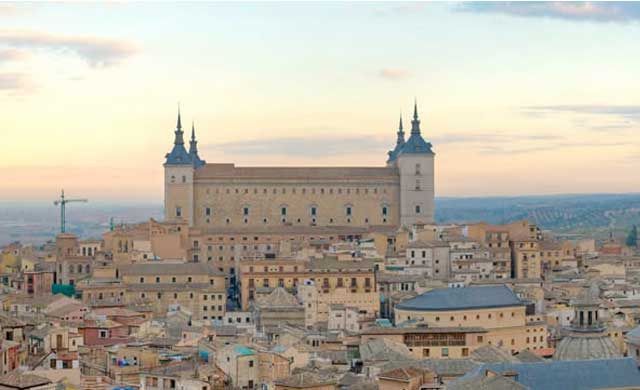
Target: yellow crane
[[63, 203]]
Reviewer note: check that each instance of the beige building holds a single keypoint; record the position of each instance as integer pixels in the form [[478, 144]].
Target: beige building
[[222, 195], [196, 287], [318, 283], [494, 308]]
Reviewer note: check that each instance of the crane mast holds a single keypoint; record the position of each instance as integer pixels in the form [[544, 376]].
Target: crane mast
[[63, 204]]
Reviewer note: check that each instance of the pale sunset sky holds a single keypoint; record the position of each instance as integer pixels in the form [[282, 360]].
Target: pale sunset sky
[[517, 99]]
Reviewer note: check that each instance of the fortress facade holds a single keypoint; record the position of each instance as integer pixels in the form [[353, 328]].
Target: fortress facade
[[222, 196]]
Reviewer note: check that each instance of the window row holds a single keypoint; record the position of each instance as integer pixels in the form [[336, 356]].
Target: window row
[[302, 191], [284, 210]]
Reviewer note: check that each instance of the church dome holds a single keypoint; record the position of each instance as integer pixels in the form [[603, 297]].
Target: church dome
[[586, 347], [586, 338]]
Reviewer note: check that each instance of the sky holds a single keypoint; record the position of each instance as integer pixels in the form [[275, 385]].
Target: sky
[[516, 98]]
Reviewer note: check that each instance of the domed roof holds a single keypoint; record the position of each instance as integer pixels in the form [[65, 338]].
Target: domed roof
[[586, 347]]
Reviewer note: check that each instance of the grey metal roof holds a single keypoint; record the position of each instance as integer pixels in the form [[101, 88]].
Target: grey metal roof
[[474, 297], [570, 374]]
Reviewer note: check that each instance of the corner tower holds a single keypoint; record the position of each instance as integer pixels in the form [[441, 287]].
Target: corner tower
[[178, 180], [414, 159]]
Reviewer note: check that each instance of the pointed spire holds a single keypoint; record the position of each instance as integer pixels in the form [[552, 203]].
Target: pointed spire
[[179, 124], [400, 140], [193, 148], [179, 140], [415, 123], [193, 145]]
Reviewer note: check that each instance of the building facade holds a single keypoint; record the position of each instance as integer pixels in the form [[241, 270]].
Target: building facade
[[222, 195]]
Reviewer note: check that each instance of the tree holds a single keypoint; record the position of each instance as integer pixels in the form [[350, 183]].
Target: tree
[[632, 238]]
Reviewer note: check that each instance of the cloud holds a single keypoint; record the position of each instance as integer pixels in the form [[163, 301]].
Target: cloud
[[573, 10], [304, 146], [9, 55], [394, 74], [628, 112], [491, 138], [616, 117], [96, 51], [8, 9], [15, 82], [514, 149]]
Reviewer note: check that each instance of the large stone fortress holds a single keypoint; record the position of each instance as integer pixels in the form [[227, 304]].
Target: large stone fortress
[[223, 196]]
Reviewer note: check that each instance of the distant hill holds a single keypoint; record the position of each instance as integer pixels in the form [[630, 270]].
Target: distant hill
[[589, 215], [582, 214], [37, 222]]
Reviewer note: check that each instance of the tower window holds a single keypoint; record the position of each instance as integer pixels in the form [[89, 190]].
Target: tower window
[[207, 211], [283, 211], [385, 211], [417, 169], [417, 185], [314, 211], [245, 211], [348, 211], [418, 209], [178, 211]]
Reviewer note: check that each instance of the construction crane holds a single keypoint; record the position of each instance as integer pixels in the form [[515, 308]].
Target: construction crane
[[63, 203]]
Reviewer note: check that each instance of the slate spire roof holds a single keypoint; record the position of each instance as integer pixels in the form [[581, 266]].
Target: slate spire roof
[[179, 154], [193, 148], [415, 144]]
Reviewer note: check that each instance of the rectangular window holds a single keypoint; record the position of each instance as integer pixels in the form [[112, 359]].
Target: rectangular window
[[245, 211], [178, 211], [384, 211], [445, 352], [313, 211], [349, 211], [207, 211], [418, 209], [283, 211]]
